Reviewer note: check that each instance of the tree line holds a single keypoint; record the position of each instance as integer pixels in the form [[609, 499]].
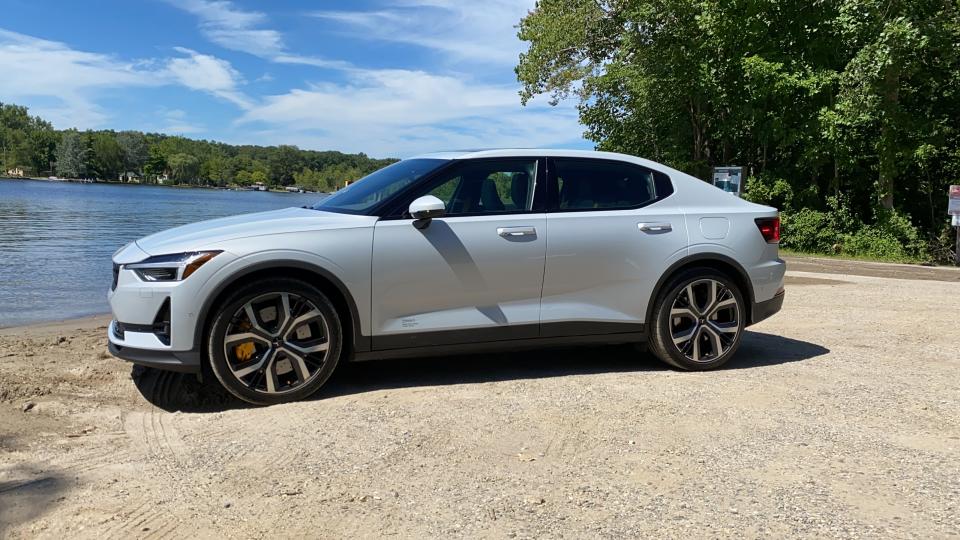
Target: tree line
[[31, 144], [845, 113]]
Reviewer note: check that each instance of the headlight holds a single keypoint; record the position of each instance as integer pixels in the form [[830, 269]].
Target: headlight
[[171, 267]]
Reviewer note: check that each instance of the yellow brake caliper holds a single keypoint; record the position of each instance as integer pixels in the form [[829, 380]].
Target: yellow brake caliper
[[245, 351]]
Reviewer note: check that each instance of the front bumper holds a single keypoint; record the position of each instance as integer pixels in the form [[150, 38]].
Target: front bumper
[[767, 308], [143, 306], [184, 362]]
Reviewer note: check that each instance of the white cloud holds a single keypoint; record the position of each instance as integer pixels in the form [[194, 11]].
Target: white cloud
[[233, 28], [311, 61], [207, 74], [401, 112], [67, 80], [395, 112], [67, 83], [176, 122], [465, 31]]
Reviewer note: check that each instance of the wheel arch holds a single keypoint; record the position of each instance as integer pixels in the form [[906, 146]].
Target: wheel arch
[[317, 276], [714, 261]]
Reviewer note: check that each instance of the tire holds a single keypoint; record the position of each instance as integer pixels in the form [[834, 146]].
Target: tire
[[703, 335], [286, 353]]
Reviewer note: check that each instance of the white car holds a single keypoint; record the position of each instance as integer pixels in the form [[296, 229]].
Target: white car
[[449, 253]]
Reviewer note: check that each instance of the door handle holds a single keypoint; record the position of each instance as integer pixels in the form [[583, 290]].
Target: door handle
[[514, 232], [655, 227]]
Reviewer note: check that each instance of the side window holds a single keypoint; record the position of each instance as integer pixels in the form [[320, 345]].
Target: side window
[[586, 184], [446, 191], [487, 187]]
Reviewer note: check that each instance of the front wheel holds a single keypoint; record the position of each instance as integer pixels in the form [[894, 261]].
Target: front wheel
[[698, 320], [275, 341]]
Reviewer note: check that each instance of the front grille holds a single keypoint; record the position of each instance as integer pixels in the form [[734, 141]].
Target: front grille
[[160, 326], [116, 276]]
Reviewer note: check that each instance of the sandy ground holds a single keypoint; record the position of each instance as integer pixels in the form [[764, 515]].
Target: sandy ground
[[840, 417]]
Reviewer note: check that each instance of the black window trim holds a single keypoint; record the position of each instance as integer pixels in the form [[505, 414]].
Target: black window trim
[[553, 186], [395, 208]]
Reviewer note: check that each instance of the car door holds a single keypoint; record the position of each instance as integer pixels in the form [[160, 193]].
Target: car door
[[613, 233], [474, 274]]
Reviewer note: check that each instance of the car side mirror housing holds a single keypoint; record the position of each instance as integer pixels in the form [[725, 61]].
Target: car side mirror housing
[[424, 209]]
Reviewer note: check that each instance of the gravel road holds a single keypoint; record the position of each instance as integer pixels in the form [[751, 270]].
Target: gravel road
[[840, 417]]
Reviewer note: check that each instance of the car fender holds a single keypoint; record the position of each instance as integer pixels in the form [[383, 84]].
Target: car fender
[[703, 253], [335, 274]]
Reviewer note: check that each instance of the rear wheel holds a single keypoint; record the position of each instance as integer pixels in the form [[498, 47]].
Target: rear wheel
[[275, 341], [698, 320]]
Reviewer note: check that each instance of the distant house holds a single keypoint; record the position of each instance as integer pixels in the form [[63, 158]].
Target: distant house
[[130, 176], [163, 178], [16, 172]]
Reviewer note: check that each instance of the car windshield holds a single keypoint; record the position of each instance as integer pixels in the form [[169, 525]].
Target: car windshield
[[364, 194]]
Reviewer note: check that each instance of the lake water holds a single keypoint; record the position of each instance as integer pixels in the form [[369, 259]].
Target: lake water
[[56, 238]]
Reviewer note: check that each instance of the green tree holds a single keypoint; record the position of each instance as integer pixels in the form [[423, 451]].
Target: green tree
[[43, 149], [31, 142], [14, 132], [258, 176], [135, 150], [156, 163], [184, 168], [284, 162], [216, 170], [243, 178], [71, 155], [106, 157], [309, 179], [26, 141], [899, 89], [820, 97], [335, 176]]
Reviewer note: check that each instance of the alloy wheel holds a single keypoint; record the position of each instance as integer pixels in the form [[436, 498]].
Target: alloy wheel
[[704, 320], [276, 342]]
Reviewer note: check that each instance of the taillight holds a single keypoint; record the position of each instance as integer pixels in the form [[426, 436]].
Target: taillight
[[769, 229]]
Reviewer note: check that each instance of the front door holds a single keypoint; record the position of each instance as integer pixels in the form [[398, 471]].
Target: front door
[[473, 275]]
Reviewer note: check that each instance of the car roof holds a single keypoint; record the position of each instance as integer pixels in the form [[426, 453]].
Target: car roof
[[537, 152], [522, 152]]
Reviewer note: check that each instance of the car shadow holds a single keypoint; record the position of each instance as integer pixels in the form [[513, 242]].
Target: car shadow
[[26, 493], [179, 392]]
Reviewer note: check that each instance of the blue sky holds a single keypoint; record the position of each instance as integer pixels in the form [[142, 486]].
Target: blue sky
[[387, 77]]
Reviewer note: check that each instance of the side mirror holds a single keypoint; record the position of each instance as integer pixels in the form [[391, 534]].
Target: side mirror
[[424, 209]]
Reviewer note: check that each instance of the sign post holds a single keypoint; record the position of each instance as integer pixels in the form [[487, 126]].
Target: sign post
[[953, 208], [729, 179]]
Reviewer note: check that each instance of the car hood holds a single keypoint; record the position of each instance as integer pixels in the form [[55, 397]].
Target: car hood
[[205, 234]]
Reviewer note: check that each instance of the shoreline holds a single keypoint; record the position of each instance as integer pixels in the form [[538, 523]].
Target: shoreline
[[60, 326], [182, 186]]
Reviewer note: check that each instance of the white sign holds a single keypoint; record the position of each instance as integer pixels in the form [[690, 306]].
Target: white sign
[[954, 207], [728, 179]]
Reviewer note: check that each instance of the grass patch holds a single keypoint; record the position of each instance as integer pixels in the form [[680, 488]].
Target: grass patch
[[846, 257]]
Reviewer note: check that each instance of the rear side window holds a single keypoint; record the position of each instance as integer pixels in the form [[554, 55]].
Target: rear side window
[[592, 184]]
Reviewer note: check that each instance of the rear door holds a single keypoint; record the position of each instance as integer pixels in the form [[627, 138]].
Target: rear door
[[474, 274], [613, 233]]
